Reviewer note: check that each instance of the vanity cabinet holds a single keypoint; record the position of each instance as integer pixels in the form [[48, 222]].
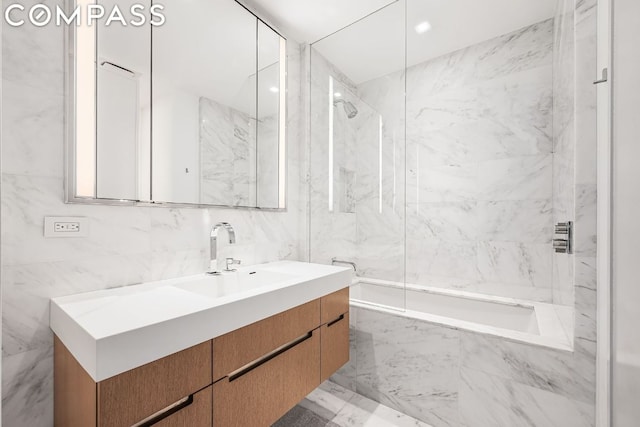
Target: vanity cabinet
[[334, 332], [133, 395], [162, 391], [248, 377], [265, 392], [250, 343]]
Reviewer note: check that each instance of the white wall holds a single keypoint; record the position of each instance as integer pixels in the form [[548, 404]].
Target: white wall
[[603, 408], [626, 212], [117, 140], [175, 145]]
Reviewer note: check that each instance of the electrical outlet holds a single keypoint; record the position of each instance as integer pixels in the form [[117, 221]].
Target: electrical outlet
[[58, 226], [66, 227]]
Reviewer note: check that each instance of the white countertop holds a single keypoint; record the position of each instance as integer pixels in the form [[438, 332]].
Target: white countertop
[[115, 330]]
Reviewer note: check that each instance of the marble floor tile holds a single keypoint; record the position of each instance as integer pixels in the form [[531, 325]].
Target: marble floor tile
[[489, 401], [332, 405], [363, 412]]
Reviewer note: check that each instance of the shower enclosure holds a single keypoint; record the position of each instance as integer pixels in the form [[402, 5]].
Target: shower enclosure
[[358, 147], [447, 142]]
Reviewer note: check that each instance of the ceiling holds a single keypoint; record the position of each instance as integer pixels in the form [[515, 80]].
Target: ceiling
[[375, 46], [309, 20]]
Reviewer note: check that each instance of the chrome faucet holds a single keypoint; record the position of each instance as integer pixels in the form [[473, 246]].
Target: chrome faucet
[[214, 238]]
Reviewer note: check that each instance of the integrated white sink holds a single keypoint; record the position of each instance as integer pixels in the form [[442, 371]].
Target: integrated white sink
[[244, 280], [115, 330]]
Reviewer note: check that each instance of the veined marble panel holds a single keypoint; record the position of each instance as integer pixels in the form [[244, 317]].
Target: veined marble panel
[[33, 56], [586, 299], [450, 221], [564, 373], [489, 401], [524, 49], [27, 199], [585, 222], [363, 412], [27, 289], [227, 155], [501, 118], [126, 245], [427, 258], [521, 178], [518, 263], [564, 158], [526, 221], [33, 117], [340, 407], [27, 388], [491, 161], [433, 177], [408, 365]]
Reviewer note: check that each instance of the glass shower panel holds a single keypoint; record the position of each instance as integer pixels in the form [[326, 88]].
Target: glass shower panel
[[357, 191], [480, 151]]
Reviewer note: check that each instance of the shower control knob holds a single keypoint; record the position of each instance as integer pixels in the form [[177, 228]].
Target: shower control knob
[[561, 246], [563, 228], [564, 246]]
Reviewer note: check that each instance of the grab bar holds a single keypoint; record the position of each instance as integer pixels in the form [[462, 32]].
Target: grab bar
[[352, 264]]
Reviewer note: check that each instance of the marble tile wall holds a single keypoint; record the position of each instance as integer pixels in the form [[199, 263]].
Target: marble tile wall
[[227, 155], [479, 166], [564, 141], [479, 170], [331, 233], [381, 181], [238, 158], [449, 377], [373, 228], [126, 245]]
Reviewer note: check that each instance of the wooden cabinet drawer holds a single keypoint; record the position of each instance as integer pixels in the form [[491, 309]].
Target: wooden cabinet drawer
[[334, 345], [197, 414], [335, 304], [74, 391], [262, 395], [242, 346], [132, 396]]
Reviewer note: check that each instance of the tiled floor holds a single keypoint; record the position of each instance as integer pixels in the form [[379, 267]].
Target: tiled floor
[[331, 405]]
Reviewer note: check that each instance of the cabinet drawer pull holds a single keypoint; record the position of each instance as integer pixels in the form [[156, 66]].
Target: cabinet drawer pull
[[275, 353], [166, 412], [333, 322]]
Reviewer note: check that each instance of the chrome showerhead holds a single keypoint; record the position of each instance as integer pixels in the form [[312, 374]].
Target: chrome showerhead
[[349, 108]]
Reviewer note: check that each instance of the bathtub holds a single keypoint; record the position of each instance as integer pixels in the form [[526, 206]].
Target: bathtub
[[525, 321]]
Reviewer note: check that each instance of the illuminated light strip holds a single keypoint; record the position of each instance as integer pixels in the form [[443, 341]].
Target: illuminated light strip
[[395, 183], [380, 164], [85, 108], [330, 144], [282, 149], [417, 178]]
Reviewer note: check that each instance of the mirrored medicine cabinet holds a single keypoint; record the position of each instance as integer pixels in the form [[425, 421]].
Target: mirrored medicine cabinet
[[191, 112]]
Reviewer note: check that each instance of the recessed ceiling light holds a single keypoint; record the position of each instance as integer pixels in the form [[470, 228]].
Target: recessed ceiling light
[[423, 27], [273, 89], [337, 94]]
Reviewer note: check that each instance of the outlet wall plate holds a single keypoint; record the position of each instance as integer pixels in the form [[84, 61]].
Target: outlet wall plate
[[66, 226]]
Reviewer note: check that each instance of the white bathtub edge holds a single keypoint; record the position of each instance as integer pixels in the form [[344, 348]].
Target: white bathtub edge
[[553, 339]]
